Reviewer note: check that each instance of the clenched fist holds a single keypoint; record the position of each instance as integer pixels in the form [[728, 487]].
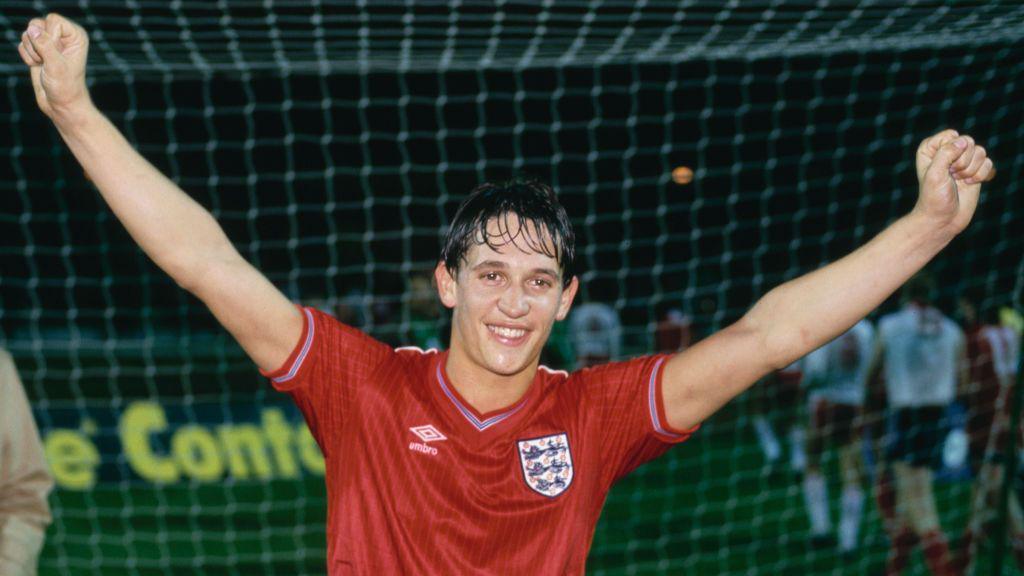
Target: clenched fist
[[950, 170], [55, 50]]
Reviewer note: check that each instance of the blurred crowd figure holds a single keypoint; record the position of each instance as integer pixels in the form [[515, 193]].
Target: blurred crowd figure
[[836, 379], [25, 479], [993, 355], [886, 400], [425, 328], [596, 333], [921, 355], [776, 399], [673, 331]]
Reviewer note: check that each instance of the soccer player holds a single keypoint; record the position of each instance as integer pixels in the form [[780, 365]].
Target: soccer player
[[993, 353], [836, 376], [25, 481], [476, 460], [778, 399], [921, 353]]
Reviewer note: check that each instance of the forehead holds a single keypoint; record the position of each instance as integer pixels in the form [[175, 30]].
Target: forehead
[[514, 243]]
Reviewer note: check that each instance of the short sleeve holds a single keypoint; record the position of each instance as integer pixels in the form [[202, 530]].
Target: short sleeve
[[627, 412], [328, 362]]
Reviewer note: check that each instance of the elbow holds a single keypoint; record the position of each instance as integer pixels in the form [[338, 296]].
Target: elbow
[[186, 274], [780, 345], [192, 272]]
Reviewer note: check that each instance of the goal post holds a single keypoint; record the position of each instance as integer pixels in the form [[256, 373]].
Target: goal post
[[333, 140]]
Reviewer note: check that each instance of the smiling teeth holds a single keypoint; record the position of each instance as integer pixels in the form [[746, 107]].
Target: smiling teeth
[[507, 332]]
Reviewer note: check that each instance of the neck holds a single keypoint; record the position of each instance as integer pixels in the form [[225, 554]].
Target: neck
[[483, 389]]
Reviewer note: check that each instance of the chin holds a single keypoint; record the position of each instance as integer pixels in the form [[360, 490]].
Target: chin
[[508, 366]]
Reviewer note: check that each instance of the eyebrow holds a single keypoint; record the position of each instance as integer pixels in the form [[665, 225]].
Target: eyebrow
[[502, 265]]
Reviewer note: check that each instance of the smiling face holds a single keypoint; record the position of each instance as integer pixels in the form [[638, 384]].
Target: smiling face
[[504, 298]]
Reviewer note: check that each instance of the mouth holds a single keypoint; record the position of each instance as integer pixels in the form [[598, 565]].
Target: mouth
[[508, 336]]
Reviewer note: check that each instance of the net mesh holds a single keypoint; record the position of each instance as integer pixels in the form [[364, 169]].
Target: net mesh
[[333, 142]]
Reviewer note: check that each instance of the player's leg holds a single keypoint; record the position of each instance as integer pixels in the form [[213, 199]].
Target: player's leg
[[985, 432], [797, 441], [790, 408], [901, 538], [983, 493], [814, 486], [1017, 529], [851, 466], [916, 501], [762, 406]]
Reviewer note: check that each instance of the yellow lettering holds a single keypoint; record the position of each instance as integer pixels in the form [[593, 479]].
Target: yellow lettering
[[309, 452], [197, 453], [279, 433], [73, 459], [137, 423], [242, 439]]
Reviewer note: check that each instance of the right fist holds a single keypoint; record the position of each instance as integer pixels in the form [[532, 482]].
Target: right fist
[[55, 50]]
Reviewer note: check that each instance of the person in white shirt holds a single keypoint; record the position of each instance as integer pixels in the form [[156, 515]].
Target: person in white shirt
[[921, 354], [835, 376]]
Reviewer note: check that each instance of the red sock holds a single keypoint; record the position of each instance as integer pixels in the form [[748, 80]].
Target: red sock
[[936, 553], [885, 498], [900, 547]]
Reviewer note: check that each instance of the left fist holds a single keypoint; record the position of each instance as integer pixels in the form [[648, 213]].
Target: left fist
[[950, 170]]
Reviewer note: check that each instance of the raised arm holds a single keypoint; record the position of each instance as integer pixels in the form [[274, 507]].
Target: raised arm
[[25, 481], [801, 315], [176, 232]]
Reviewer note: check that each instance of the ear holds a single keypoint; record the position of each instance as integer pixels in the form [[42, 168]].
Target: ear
[[567, 297], [445, 285]]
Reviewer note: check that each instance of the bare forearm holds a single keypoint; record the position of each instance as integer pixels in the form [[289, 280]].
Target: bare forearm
[[801, 315], [172, 229]]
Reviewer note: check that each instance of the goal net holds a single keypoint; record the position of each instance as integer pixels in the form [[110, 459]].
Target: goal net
[[333, 140]]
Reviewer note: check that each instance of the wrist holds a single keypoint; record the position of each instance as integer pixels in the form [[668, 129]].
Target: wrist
[[70, 115], [929, 230]]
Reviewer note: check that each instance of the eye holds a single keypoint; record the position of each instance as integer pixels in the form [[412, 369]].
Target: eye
[[541, 283], [491, 276]]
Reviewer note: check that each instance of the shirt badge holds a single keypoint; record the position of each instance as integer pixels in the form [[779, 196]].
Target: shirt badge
[[547, 464]]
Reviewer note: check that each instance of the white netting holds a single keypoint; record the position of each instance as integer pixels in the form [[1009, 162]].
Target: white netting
[[333, 140]]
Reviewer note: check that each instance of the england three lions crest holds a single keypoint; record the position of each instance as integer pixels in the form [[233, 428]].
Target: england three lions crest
[[547, 464]]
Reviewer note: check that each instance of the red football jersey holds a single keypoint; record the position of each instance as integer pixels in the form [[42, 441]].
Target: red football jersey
[[418, 482]]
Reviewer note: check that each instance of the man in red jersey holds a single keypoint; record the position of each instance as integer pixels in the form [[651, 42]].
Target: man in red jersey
[[477, 460], [992, 358]]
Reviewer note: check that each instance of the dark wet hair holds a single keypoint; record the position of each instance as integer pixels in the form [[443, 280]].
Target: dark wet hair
[[513, 203]]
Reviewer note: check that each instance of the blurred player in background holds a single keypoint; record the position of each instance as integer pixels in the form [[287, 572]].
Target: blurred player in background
[[921, 354], [993, 356], [477, 459], [835, 376], [778, 403], [424, 313], [596, 333], [25, 480], [674, 330]]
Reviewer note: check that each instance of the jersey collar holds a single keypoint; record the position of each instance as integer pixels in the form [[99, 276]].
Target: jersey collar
[[480, 422]]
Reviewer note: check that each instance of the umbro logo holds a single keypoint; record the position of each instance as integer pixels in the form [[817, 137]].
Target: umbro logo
[[427, 434]]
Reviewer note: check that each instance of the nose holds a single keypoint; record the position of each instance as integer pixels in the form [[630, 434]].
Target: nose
[[514, 302]]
